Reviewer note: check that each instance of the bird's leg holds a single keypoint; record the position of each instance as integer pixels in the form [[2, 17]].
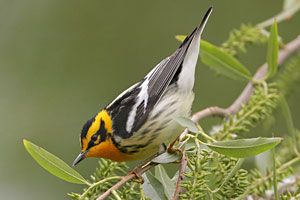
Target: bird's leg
[[171, 148]]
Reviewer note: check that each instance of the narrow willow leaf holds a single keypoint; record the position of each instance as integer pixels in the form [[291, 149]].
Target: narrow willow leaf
[[152, 187], [187, 123], [53, 164], [231, 174], [286, 112], [166, 157], [220, 61], [272, 55], [244, 147], [274, 176], [162, 175]]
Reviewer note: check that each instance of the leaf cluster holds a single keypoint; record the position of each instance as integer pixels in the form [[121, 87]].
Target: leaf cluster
[[240, 38], [261, 104], [206, 174]]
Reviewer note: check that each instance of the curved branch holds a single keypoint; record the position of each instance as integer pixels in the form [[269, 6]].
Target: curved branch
[[244, 97], [284, 15]]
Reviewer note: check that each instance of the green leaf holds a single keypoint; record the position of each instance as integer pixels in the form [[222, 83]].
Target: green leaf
[[169, 185], [53, 164], [152, 187], [286, 112], [272, 54], [244, 147], [187, 123], [275, 188], [221, 62], [166, 157], [231, 174]]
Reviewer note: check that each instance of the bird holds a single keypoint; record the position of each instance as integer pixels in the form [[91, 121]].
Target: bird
[[141, 119]]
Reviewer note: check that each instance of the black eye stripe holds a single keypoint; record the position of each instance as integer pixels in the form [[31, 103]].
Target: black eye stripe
[[94, 137], [102, 132]]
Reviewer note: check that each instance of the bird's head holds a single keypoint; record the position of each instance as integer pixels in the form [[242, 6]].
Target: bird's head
[[96, 139]]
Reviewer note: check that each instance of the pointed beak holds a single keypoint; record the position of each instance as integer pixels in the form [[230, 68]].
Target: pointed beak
[[80, 157]]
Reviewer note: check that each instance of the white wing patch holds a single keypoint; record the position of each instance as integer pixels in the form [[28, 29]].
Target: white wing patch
[[142, 96]]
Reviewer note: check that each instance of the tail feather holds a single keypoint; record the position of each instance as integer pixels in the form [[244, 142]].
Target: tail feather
[[204, 21], [187, 74], [199, 29]]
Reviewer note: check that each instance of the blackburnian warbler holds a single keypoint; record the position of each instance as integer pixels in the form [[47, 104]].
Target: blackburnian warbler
[[141, 119]]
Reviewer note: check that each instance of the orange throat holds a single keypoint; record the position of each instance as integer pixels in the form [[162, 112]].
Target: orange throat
[[107, 149]]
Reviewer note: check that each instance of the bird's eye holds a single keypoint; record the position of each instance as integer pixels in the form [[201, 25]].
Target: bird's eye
[[94, 137]]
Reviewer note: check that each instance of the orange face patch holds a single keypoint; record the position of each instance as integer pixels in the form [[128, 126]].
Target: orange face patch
[[104, 149], [101, 116]]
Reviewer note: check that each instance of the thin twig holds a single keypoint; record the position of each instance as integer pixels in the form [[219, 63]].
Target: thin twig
[[97, 184], [244, 97], [210, 111], [284, 15], [183, 164], [137, 173]]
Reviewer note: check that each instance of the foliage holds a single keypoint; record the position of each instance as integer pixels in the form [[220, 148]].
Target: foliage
[[272, 54], [107, 169], [263, 100], [207, 172], [289, 77], [240, 38], [53, 164]]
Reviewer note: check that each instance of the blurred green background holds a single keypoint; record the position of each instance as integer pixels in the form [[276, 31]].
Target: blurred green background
[[61, 61]]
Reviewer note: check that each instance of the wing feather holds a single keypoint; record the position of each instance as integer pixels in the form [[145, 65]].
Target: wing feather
[[148, 91]]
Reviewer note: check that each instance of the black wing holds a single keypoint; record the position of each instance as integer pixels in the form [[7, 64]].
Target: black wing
[[134, 106]]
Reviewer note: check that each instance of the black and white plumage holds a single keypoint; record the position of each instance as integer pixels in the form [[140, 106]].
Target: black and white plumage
[[140, 119], [143, 115]]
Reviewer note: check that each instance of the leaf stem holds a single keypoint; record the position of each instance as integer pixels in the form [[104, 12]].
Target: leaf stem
[[91, 186], [204, 134], [116, 195]]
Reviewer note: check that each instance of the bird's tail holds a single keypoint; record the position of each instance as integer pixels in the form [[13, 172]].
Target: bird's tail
[[192, 46], [201, 26], [199, 29]]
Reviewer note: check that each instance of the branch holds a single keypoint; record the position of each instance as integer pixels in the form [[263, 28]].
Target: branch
[[244, 97], [183, 164], [136, 174], [284, 15]]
